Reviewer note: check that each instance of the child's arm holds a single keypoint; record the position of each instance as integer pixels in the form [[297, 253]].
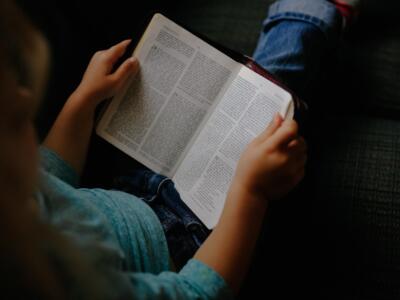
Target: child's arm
[[69, 137], [270, 167]]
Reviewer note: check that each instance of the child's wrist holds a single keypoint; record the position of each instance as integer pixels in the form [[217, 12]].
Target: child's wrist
[[247, 200], [79, 108], [82, 102]]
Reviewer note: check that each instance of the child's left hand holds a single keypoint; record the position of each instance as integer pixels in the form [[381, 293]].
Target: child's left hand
[[99, 82]]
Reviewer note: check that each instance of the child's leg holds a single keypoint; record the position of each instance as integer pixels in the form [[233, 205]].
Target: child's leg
[[296, 38], [183, 230]]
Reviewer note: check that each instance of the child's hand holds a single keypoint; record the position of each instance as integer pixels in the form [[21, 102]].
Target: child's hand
[[273, 163], [99, 82]]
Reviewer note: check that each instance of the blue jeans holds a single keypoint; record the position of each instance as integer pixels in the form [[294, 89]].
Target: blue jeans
[[296, 35], [183, 230], [296, 38]]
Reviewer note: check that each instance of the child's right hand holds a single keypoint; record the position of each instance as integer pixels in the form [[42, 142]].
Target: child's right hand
[[273, 163], [270, 167]]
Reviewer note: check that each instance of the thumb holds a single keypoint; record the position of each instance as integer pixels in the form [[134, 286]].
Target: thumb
[[127, 68], [272, 127]]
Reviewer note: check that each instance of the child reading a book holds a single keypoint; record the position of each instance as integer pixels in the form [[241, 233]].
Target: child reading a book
[[61, 241]]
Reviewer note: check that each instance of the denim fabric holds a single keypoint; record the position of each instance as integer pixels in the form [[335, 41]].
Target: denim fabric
[[184, 231], [295, 36]]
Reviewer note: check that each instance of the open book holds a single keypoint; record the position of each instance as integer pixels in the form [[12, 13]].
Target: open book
[[190, 112]]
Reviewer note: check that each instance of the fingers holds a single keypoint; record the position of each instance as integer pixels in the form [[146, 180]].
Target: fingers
[[273, 126], [298, 165], [117, 50], [297, 145], [299, 160], [110, 56], [127, 68], [121, 46], [284, 134], [296, 158], [297, 151]]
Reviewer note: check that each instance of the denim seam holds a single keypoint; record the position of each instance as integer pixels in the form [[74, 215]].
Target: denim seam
[[160, 185]]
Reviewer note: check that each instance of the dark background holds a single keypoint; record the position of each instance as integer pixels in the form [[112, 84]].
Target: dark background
[[337, 235]]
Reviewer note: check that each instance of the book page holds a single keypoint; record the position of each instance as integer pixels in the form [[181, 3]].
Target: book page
[[246, 109], [158, 114]]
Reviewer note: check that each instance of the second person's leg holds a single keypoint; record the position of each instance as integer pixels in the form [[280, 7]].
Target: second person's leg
[[296, 38]]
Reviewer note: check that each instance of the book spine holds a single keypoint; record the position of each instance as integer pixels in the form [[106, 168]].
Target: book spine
[[301, 107]]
